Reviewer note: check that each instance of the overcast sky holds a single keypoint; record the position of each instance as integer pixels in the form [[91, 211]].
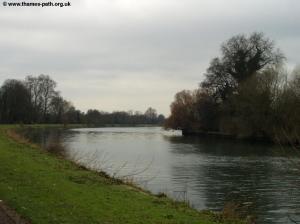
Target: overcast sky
[[131, 54]]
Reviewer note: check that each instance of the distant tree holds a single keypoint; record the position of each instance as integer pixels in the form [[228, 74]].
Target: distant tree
[[33, 85], [120, 117], [242, 57], [130, 112], [47, 86], [93, 116], [138, 113], [57, 108], [35, 100], [42, 90], [72, 115], [15, 102], [161, 119], [62, 111], [182, 111], [151, 115]]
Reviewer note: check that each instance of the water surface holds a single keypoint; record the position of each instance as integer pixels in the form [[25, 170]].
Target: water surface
[[208, 173]]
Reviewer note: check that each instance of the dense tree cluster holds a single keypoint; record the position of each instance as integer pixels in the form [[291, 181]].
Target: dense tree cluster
[[36, 100], [122, 117], [246, 93]]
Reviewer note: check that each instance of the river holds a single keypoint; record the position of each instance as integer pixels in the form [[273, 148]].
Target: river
[[263, 179]]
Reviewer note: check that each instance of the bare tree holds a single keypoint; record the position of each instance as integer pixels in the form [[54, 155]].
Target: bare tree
[[33, 85], [47, 86], [182, 111], [242, 57], [42, 90], [151, 114]]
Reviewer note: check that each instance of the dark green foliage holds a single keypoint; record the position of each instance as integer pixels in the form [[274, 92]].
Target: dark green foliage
[[15, 104]]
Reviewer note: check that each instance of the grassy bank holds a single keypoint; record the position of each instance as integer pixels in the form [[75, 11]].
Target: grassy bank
[[47, 189]]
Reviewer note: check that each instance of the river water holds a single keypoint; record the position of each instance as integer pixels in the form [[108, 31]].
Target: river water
[[208, 173]]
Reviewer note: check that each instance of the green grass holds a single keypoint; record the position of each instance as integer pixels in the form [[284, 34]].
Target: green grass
[[46, 189]]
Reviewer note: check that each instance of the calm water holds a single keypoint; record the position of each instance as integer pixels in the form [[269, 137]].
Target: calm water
[[207, 173]]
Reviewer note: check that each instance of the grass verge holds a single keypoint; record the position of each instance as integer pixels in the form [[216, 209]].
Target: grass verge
[[46, 189]]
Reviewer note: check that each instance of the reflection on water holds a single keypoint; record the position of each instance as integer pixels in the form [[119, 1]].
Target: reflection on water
[[208, 173]]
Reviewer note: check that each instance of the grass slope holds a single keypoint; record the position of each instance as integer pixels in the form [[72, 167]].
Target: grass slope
[[47, 189]]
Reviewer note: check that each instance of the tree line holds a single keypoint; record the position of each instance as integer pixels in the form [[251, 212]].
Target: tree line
[[36, 100], [246, 92]]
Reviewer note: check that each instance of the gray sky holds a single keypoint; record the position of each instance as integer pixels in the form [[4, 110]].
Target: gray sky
[[131, 54]]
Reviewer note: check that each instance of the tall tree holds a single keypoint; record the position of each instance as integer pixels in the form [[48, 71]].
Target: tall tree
[[151, 114], [15, 102], [42, 90], [241, 58], [47, 86], [183, 111]]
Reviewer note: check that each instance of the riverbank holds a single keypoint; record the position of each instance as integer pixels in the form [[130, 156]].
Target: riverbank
[[43, 188], [220, 135]]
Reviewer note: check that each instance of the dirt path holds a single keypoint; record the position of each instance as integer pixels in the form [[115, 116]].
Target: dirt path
[[9, 216]]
